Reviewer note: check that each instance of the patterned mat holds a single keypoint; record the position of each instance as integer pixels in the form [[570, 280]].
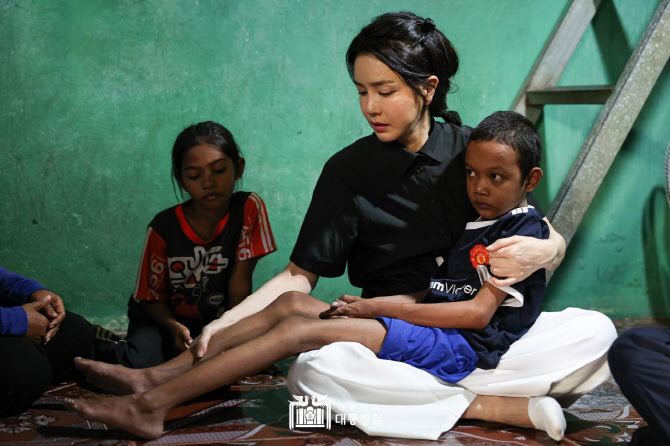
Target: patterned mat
[[256, 412]]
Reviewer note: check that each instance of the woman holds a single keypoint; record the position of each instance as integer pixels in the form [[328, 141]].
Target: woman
[[387, 207], [393, 202]]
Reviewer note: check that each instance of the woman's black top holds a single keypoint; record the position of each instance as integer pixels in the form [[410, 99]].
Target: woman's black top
[[387, 213]]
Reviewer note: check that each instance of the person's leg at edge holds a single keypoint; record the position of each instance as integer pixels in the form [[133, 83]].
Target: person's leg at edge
[[146, 344], [121, 380], [639, 360], [75, 338], [29, 369], [143, 413], [24, 376]]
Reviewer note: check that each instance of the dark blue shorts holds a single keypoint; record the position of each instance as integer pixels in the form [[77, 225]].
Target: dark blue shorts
[[442, 352]]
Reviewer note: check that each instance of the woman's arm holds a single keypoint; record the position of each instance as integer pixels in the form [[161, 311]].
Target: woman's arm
[[558, 240], [292, 278], [517, 257], [475, 313]]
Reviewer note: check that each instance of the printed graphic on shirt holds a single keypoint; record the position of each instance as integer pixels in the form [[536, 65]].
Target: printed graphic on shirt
[[186, 272], [452, 290], [191, 275]]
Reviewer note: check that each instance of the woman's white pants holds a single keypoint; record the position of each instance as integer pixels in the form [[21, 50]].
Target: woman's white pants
[[563, 355]]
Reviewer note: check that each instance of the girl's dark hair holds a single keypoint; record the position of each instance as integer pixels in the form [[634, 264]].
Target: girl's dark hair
[[208, 132], [415, 49]]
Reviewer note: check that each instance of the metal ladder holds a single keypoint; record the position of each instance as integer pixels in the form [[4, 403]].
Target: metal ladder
[[623, 103]]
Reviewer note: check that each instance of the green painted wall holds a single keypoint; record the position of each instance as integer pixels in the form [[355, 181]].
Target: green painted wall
[[93, 93]]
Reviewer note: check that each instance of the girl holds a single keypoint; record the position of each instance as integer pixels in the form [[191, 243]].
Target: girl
[[199, 256]]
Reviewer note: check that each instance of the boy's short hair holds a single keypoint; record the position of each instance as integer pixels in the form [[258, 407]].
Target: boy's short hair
[[513, 130]]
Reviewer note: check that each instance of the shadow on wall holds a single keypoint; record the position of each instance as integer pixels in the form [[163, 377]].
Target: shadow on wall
[[615, 50], [611, 39], [656, 243]]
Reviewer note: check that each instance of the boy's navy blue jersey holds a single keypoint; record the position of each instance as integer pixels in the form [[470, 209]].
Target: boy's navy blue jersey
[[457, 280]]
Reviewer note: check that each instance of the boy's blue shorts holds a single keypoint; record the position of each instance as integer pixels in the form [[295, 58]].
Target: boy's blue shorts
[[443, 352]]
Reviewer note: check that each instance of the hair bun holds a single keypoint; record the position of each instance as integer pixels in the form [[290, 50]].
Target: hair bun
[[427, 25]]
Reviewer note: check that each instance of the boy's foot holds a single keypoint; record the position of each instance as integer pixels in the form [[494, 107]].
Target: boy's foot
[[113, 378], [546, 414], [125, 412]]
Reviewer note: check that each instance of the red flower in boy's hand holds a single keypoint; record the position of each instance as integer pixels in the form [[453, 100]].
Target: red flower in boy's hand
[[479, 256]]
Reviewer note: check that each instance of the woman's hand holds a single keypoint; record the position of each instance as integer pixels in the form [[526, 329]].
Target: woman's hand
[[181, 335], [517, 257], [199, 346]]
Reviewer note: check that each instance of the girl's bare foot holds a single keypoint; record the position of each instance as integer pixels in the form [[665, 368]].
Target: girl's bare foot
[[114, 378], [130, 413]]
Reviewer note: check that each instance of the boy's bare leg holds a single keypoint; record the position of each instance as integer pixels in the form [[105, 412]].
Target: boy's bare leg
[[120, 380], [143, 414], [542, 413]]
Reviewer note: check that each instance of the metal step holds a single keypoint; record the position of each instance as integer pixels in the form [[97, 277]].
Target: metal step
[[555, 54], [595, 94]]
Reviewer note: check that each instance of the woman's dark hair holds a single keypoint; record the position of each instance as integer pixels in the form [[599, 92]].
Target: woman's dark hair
[[515, 131], [415, 49], [208, 132]]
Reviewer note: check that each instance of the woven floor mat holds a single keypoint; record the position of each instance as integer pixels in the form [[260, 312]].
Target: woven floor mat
[[256, 411]]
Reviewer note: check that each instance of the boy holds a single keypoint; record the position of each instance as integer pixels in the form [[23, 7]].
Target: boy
[[502, 165], [462, 327], [502, 162]]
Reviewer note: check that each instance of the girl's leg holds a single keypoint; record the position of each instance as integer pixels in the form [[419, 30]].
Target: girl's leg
[[143, 414], [123, 381], [144, 345], [542, 413]]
